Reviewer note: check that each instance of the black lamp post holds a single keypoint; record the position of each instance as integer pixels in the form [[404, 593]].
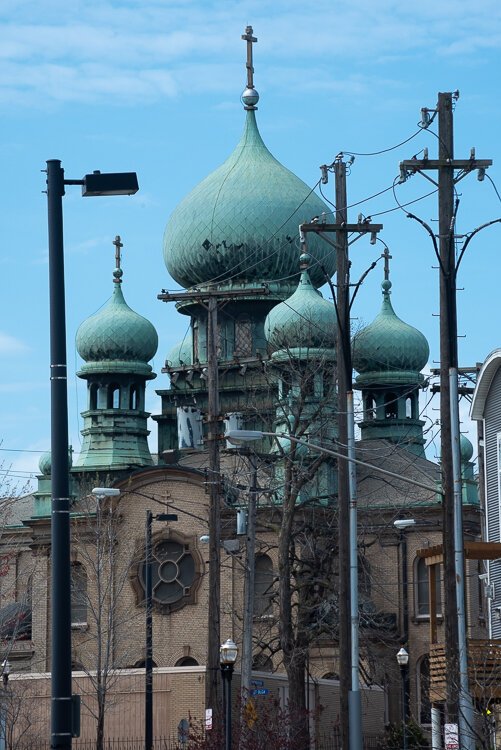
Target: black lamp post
[[403, 661], [228, 653], [92, 185], [148, 591]]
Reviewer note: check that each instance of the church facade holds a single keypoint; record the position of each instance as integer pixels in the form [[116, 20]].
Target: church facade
[[234, 237]]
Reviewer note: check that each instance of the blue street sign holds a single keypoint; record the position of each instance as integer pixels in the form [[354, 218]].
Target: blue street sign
[[260, 691]]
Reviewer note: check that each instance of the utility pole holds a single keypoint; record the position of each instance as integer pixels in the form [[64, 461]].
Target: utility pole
[[350, 709], [210, 300], [248, 614], [459, 704]]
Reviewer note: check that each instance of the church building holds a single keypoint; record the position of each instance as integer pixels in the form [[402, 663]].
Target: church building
[[232, 245]]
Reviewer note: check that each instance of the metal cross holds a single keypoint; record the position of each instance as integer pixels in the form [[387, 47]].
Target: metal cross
[[118, 244], [247, 37], [386, 255]]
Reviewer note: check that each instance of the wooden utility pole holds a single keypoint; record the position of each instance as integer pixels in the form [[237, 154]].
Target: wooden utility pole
[[350, 706], [459, 707], [210, 300]]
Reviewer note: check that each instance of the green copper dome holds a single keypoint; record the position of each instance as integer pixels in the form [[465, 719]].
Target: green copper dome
[[182, 353], [388, 348], [116, 333], [241, 222], [466, 448], [304, 321]]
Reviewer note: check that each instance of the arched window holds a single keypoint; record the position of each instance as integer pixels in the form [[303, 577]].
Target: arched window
[[263, 585], [423, 690], [370, 407], [78, 594], [113, 396], [422, 588], [408, 407], [390, 406], [262, 663], [196, 342], [134, 397], [93, 390], [243, 336], [186, 661]]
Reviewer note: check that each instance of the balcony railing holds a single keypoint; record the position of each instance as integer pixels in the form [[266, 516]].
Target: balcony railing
[[484, 670]]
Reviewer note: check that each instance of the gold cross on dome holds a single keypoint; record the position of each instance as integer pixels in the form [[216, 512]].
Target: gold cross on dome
[[250, 39]]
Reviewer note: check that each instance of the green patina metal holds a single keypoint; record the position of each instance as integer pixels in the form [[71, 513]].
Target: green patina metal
[[116, 344], [241, 222], [116, 334], [388, 348], [305, 321], [388, 355]]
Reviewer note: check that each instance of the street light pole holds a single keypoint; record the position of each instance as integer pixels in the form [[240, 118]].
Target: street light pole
[[403, 661], [228, 653], [61, 697]]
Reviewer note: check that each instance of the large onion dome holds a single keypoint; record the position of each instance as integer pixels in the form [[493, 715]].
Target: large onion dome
[[389, 350], [305, 321], [240, 224], [117, 334]]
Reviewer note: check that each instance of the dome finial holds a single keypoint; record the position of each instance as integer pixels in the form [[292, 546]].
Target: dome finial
[[117, 273], [386, 283], [250, 97]]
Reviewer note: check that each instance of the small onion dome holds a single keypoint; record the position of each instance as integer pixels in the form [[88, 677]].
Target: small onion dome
[[240, 224], [45, 462], [305, 321], [182, 353], [389, 350], [466, 449], [117, 334]]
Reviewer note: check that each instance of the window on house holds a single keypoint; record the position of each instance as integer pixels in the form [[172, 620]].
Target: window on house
[[263, 585], [78, 594], [422, 588]]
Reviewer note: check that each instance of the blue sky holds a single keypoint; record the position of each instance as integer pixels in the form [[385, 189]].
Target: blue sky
[[154, 86]]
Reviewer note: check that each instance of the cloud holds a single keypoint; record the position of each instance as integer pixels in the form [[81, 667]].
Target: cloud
[[11, 345], [145, 50]]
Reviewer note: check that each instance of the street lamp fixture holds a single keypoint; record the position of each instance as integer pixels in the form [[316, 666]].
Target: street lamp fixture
[[403, 661], [61, 697], [228, 653]]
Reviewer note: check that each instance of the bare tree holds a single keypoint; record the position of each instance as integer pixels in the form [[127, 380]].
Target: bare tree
[[100, 572]]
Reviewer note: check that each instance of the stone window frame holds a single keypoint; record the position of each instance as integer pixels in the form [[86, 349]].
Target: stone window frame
[[165, 535]]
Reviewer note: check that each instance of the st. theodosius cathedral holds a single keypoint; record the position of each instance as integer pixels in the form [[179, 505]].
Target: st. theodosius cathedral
[[236, 233]]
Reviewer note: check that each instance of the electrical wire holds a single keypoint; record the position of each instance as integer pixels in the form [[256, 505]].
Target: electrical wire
[[494, 186]]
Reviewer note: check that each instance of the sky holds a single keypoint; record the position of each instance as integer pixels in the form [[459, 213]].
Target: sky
[[154, 86]]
